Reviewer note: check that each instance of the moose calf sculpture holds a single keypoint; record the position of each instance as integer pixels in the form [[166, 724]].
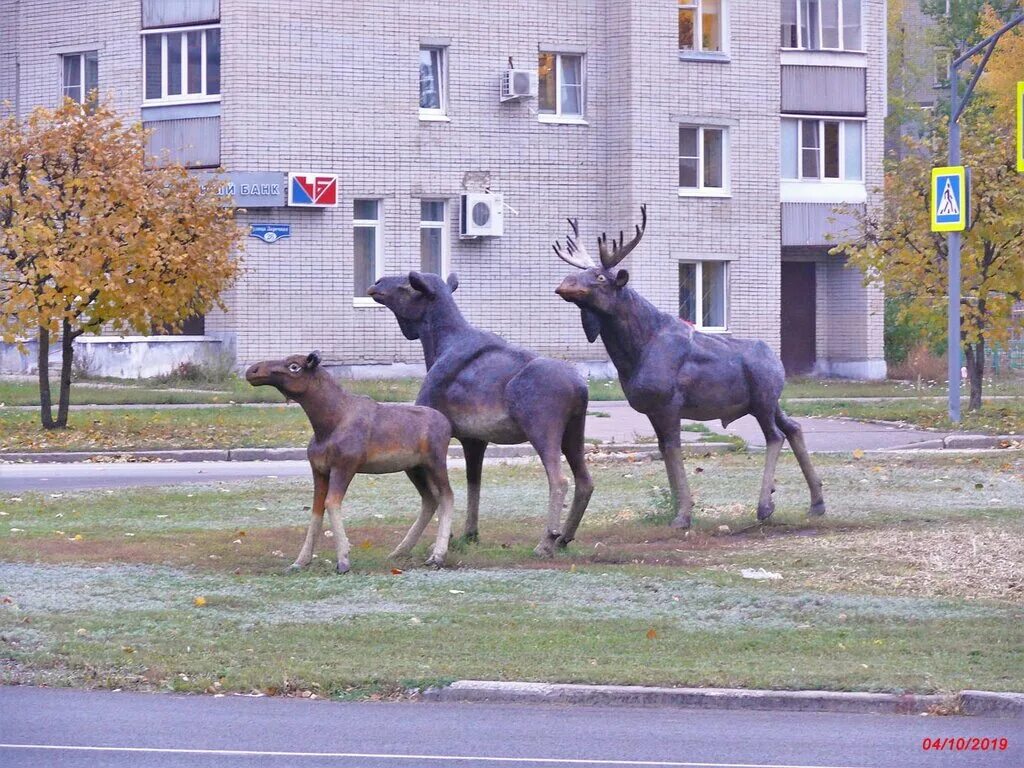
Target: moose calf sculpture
[[353, 434], [669, 371], [492, 391]]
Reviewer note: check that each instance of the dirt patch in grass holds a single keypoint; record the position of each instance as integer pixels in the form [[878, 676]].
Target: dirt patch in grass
[[950, 561]]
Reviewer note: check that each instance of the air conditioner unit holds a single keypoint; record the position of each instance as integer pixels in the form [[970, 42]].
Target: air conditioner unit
[[482, 215], [518, 84]]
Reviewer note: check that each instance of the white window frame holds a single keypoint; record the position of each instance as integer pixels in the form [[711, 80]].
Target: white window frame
[[700, 190], [557, 116], [699, 298], [698, 29], [182, 98], [821, 178], [441, 114], [80, 55], [445, 232], [378, 241], [801, 44]]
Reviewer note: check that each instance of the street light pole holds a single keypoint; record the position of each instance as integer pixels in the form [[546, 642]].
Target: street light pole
[[956, 108]]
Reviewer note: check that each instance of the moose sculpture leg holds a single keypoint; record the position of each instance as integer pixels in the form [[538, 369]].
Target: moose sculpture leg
[[474, 451], [671, 371], [353, 434], [573, 450]]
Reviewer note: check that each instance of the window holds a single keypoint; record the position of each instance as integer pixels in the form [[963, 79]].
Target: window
[[561, 85], [434, 236], [701, 25], [702, 294], [702, 160], [822, 25], [823, 150], [182, 65], [80, 75], [433, 82], [368, 263]]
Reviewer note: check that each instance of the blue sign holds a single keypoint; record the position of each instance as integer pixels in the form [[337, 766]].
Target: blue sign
[[949, 199], [270, 233]]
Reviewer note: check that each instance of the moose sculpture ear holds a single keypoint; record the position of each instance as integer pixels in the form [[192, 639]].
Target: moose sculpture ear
[[417, 281], [453, 282], [591, 324], [312, 361], [621, 277]]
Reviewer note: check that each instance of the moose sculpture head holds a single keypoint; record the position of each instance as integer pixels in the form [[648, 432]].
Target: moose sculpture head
[[597, 289], [292, 377]]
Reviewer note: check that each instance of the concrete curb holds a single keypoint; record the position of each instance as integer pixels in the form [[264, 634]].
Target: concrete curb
[[688, 698], [992, 704], [299, 454]]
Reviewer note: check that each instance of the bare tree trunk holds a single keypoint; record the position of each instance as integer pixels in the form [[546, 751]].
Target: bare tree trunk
[[45, 402], [975, 354], [67, 349]]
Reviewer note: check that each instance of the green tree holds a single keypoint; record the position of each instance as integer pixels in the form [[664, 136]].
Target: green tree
[[90, 236]]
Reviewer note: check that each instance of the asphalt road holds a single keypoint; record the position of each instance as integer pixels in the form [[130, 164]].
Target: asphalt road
[[43, 727]]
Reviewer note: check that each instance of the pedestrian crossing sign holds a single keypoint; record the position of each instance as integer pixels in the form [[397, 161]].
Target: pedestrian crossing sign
[[949, 199]]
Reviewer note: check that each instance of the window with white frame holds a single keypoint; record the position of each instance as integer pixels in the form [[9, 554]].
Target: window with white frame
[[181, 65], [703, 166], [561, 93], [703, 294], [822, 150], [434, 236], [79, 75], [814, 25], [368, 263], [433, 81], [701, 25]]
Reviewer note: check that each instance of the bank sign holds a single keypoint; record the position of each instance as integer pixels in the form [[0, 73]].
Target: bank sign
[[251, 189], [312, 190]]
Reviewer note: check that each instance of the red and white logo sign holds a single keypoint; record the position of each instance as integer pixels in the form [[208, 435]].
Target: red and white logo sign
[[316, 190]]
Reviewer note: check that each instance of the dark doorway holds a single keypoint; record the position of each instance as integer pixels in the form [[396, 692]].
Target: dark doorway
[[798, 317]]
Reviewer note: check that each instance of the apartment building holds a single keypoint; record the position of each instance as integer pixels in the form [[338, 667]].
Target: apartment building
[[375, 137]]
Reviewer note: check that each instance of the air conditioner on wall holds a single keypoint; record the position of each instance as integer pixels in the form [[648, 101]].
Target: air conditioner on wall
[[518, 84], [482, 214]]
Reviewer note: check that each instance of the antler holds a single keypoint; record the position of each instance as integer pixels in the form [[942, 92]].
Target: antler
[[619, 248], [574, 253]]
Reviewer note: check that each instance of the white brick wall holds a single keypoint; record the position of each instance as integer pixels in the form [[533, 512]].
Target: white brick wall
[[333, 86]]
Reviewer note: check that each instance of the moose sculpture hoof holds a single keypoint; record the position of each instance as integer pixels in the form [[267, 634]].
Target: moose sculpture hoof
[[681, 521], [435, 561], [342, 568], [398, 554], [764, 511], [817, 510], [471, 537], [294, 568], [546, 548], [562, 542]]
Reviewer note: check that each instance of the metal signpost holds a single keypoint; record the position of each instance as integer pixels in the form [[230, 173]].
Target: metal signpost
[[956, 108]]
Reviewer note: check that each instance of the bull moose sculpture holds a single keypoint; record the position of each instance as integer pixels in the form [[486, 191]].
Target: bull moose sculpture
[[354, 434], [495, 392], [670, 371]]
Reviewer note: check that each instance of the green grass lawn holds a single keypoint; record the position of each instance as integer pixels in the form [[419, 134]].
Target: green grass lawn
[[998, 417], [913, 581]]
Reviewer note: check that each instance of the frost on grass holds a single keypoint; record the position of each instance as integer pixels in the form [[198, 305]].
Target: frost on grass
[[690, 603]]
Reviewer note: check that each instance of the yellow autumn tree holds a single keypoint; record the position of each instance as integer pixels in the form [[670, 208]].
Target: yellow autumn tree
[[895, 245], [92, 236]]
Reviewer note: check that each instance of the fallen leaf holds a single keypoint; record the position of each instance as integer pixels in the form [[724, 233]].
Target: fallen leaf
[[652, 633], [457, 591], [396, 571], [365, 544], [858, 454], [199, 601], [127, 649]]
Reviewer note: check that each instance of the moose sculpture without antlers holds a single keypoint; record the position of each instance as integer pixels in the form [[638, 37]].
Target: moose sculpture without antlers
[[354, 434], [495, 392], [670, 371]]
